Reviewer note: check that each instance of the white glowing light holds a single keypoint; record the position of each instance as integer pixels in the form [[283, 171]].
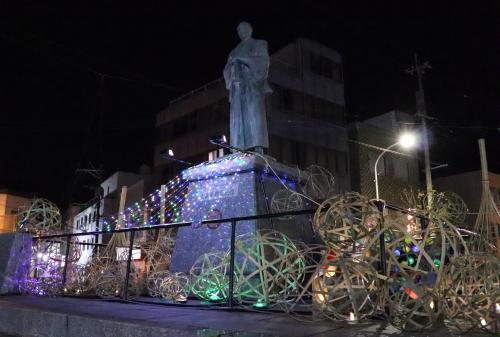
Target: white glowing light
[[483, 322], [170, 152], [352, 317], [431, 304], [497, 308], [407, 140], [45, 257], [39, 255]]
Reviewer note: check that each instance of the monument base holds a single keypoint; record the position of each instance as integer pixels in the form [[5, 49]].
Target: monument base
[[234, 186], [15, 257]]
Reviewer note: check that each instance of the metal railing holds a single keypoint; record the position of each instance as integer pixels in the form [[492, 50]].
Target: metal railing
[[232, 221]]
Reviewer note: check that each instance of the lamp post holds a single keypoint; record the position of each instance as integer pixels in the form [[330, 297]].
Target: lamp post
[[406, 140]]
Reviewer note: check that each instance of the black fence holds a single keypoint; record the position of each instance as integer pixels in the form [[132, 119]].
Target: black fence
[[233, 223]]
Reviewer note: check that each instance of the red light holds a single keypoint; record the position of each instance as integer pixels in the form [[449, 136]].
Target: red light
[[413, 295]]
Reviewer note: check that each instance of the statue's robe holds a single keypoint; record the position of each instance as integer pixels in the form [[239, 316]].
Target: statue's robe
[[245, 75]]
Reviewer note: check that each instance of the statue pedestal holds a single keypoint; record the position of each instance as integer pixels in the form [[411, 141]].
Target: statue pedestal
[[234, 186], [15, 257]]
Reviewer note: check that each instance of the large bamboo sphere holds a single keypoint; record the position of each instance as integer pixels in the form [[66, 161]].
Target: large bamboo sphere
[[347, 221], [344, 289], [267, 265], [470, 293], [209, 276], [39, 218]]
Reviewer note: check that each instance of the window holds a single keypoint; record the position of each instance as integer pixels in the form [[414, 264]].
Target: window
[[325, 67], [283, 98]]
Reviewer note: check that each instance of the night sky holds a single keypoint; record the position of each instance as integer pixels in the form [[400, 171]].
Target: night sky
[[80, 85]]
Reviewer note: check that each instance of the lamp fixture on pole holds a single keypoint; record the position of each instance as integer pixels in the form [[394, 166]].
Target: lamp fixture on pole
[[406, 140]]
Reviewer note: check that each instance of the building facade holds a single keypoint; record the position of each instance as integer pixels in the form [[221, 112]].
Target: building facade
[[86, 220], [398, 170], [468, 186], [10, 204], [305, 113]]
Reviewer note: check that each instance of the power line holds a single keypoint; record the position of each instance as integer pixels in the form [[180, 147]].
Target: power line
[[86, 68]]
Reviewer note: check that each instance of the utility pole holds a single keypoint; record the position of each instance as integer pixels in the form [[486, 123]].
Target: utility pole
[[419, 70]]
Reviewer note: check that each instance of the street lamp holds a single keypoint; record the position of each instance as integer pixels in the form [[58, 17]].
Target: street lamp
[[406, 140], [169, 155]]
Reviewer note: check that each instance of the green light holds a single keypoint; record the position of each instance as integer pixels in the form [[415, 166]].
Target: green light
[[260, 304], [214, 297], [411, 261], [437, 262]]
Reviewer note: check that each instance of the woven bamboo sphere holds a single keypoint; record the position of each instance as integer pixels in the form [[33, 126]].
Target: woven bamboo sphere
[[319, 183], [266, 266], [158, 252], [297, 301], [39, 218], [107, 276], [415, 258], [209, 276], [154, 281], [409, 306], [284, 201], [470, 292], [175, 287], [347, 222], [446, 205], [344, 289]]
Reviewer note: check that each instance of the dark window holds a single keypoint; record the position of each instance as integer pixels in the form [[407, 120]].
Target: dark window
[[325, 67], [195, 120]]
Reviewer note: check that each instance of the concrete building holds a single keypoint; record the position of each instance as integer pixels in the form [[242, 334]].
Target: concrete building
[[306, 115], [396, 171], [138, 185], [469, 187], [9, 207]]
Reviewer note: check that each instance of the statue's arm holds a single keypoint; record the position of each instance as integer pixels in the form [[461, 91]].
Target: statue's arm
[[227, 73]]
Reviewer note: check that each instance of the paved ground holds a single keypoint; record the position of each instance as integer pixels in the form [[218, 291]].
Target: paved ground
[[71, 317]]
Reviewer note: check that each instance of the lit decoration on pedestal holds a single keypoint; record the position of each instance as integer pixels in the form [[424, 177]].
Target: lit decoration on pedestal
[[470, 291], [148, 211]]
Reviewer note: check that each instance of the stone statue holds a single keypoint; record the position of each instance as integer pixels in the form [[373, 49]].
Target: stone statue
[[245, 75]]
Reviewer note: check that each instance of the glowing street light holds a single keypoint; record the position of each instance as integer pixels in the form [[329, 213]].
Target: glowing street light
[[406, 141], [169, 155]]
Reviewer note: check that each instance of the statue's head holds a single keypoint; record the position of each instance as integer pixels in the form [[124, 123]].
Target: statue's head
[[244, 30]]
